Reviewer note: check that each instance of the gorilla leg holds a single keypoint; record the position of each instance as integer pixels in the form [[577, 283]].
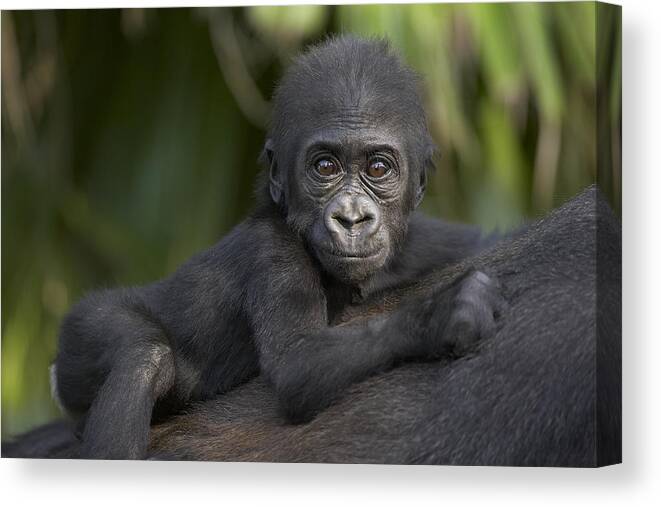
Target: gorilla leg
[[113, 364]]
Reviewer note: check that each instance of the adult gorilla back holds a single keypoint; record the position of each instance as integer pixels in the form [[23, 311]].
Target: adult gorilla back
[[545, 391]]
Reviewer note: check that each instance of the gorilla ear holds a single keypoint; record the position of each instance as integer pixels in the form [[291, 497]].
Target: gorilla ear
[[422, 186], [427, 167], [275, 178]]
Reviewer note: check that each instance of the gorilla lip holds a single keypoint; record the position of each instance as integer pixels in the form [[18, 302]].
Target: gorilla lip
[[354, 255]]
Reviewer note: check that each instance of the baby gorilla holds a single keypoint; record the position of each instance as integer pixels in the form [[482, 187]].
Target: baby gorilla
[[347, 158]]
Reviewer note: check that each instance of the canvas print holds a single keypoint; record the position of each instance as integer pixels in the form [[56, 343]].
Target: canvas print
[[342, 234]]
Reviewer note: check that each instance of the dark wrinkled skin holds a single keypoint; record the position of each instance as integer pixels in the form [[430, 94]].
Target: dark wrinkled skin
[[544, 391], [347, 158]]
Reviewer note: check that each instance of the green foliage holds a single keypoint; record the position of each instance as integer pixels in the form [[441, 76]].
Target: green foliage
[[130, 137], [287, 25]]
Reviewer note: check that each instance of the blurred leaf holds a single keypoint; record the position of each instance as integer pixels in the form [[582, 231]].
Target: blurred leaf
[[288, 24], [537, 44], [495, 30], [576, 25], [504, 190]]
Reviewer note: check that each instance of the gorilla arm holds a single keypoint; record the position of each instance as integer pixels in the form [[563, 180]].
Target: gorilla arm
[[310, 362]]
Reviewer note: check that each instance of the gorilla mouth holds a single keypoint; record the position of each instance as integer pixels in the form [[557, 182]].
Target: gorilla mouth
[[354, 255]]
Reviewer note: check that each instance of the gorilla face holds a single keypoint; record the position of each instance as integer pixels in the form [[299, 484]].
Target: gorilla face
[[348, 151], [347, 198]]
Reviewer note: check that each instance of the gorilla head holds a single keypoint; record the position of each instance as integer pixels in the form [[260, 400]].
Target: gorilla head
[[348, 151]]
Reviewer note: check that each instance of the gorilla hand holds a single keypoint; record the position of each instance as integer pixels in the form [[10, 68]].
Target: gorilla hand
[[453, 319]]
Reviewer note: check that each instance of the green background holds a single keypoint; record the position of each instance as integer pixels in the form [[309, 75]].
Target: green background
[[130, 137]]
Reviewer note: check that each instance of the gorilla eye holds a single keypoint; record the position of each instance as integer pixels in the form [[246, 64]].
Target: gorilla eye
[[377, 169], [326, 167]]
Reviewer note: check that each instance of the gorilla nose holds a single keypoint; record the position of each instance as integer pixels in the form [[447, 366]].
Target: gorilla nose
[[352, 218], [351, 214]]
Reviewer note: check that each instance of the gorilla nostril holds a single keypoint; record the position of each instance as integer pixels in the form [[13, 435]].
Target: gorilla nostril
[[349, 222], [344, 222]]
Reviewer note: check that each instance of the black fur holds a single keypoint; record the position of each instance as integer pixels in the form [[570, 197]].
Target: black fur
[[347, 155], [545, 391]]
